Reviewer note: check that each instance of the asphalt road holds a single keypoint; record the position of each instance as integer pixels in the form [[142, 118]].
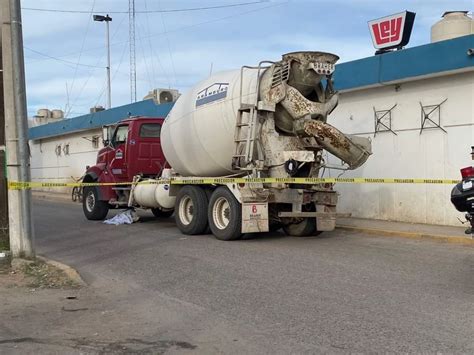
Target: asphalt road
[[340, 292]]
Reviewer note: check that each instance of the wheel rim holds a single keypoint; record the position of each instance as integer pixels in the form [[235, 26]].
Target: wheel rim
[[90, 201], [221, 213], [186, 210]]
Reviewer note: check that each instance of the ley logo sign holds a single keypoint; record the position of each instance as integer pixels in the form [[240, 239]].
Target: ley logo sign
[[392, 31]]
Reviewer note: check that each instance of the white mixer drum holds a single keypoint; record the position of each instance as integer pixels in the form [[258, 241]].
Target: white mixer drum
[[197, 137]]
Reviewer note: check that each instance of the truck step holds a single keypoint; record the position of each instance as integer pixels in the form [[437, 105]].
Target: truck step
[[246, 107]]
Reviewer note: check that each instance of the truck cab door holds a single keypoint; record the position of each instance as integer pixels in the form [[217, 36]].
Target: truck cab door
[[118, 165], [149, 158]]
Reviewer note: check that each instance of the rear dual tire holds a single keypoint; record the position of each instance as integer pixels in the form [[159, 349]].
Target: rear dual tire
[[225, 215], [191, 210], [200, 211]]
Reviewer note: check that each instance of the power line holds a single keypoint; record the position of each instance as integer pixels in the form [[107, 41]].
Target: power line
[[79, 60], [144, 58], [62, 60], [214, 20], [181, 28], [149, 11], [115, 73], [93, 69], [149, 36], [169, 47], [151, 47]]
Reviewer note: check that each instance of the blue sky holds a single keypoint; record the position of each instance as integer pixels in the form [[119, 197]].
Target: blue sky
[[176, 49]]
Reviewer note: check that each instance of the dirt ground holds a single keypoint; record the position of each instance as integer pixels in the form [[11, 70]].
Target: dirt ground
[[35, 275]]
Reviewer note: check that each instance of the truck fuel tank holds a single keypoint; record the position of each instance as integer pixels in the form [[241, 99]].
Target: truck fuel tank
[[153, 194]]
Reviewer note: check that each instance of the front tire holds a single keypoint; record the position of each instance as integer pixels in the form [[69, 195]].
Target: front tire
[[191, 210], [225, 215], [94, 209]]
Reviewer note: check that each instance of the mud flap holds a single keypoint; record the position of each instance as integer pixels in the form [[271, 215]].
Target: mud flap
[[255, 217], [326, 223]]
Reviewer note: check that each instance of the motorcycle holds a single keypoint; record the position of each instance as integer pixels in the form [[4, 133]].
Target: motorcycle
[[462, 195]]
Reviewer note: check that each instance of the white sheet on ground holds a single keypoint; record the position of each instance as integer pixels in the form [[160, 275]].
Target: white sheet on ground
[[126, 217]]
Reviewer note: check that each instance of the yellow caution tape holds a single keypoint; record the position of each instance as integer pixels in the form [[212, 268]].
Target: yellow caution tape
[[19, 185]]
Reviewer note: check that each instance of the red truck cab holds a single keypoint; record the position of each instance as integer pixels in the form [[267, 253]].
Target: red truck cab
[[132, 148]]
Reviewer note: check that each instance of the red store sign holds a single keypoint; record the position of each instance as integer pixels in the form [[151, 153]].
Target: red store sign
[[392, 31]]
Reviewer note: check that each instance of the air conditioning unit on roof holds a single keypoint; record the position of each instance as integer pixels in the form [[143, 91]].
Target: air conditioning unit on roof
[[162, 96]]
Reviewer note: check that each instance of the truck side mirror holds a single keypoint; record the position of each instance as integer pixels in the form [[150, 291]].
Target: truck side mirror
[[105, 136]]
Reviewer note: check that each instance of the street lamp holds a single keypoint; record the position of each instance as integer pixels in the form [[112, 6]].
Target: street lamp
[[107, 19]]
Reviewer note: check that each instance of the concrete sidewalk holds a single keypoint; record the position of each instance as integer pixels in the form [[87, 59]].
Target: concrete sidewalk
[[440, 233]]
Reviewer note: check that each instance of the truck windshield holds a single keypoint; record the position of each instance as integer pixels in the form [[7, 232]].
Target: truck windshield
[[120, 135]]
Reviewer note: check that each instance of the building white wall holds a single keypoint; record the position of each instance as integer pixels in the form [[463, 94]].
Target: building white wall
[[49, 166], [409, 154]]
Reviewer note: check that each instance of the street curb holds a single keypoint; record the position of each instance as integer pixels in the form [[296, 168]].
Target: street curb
[[410, 235], [72, 273]]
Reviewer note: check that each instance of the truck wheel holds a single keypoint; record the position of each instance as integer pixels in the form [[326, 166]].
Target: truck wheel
[[305, 228], [225, 215], [162, 214], [191, 210], [94, 209]]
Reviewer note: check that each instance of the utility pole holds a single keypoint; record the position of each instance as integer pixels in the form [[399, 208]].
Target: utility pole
[[107, 19], [4, 238], [133, 59], [16, 130]]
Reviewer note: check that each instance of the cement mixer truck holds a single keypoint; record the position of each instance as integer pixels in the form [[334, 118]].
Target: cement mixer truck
[[232, 130]]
